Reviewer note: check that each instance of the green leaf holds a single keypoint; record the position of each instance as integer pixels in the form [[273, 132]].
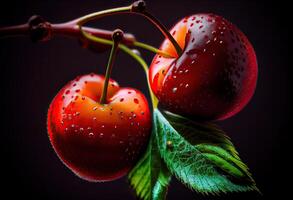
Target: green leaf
[[200, 155], [150, 177]]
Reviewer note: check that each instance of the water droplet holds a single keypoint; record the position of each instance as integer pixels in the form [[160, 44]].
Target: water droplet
[[129, 92], [192, 61], [221, 42], [94, 118], [187, 85], [214, 54], [115, 126], [103, 126], [95, 108], [142, 112], [169, 144], [186, 71], [174, 90], [81, 129], [136, 100], [91, 134], [121, 142], [208, 41], [131, 123], [77, 113], [101, 134]]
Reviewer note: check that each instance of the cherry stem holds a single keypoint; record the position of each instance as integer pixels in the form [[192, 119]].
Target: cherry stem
[[40, 30], [152, 49], [117, 37], [144, 65], [127, 50], [138, 7]]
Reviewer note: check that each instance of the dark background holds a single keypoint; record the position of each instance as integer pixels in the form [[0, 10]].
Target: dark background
[[31, 74]]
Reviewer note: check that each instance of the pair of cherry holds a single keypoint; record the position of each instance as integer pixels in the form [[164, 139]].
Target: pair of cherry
[[99, 129]]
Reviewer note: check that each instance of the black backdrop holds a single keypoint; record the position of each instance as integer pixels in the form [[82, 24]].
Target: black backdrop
[[31, 74]]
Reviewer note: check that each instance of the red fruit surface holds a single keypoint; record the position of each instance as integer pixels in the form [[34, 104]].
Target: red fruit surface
[[98, 142], [216, 75]]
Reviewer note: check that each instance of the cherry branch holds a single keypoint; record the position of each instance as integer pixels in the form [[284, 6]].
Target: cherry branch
[[40, 30]]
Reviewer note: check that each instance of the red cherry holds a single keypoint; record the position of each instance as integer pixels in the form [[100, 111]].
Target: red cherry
[[98, 142], [214, 78]]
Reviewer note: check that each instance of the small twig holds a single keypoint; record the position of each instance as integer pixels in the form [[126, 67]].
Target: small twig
[[40, 30]]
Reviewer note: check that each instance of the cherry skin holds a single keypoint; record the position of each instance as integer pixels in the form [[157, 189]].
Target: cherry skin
[[98, 142], [213, 78]]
